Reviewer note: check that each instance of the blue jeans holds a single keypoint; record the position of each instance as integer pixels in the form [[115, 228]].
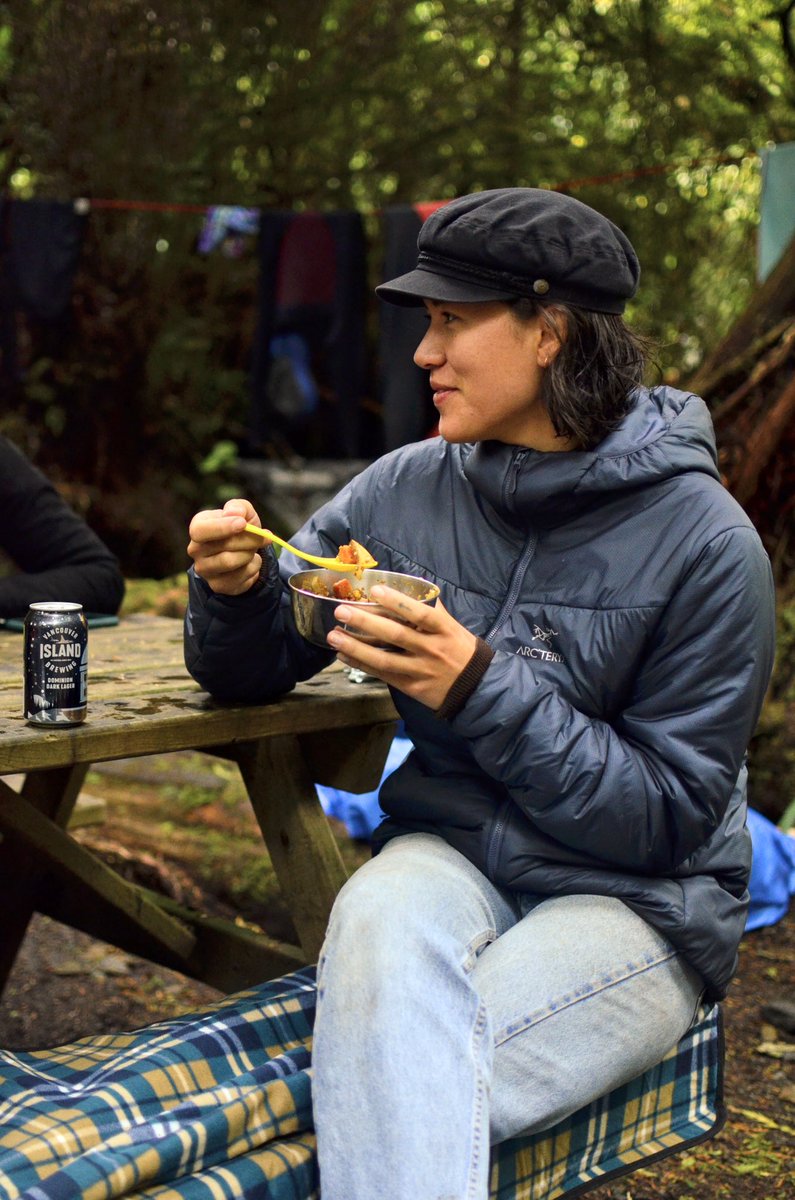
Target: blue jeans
[[452, 1015]]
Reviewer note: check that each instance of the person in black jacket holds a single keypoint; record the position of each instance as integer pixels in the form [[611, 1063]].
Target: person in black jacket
[[53, 553], [562, 875]]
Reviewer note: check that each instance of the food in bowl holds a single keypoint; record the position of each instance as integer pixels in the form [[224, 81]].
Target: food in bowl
[[356, 553], [343, 589], [314, 601]]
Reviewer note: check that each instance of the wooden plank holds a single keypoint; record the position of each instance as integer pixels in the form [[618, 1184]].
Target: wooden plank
[[21, 873], [349, 759], [224, 955], [229, 956], [125, 730], [68, 860], [55, 793], [301, 845], [189, 719], [352, 759]]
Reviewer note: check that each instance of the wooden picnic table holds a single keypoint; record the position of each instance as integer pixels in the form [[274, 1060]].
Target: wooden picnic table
[[142, 701]]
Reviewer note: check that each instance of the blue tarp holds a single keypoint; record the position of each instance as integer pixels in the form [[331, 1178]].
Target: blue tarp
[[361, 814], [773, 871]]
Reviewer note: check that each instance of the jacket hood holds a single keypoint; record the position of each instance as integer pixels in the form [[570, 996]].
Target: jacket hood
[[666, 433]]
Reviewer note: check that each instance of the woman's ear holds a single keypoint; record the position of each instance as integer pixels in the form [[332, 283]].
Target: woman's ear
[[552, 330]]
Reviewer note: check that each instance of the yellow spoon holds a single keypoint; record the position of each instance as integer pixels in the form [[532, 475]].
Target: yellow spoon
[[331, 564]]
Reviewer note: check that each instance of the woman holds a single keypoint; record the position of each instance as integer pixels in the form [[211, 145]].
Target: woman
[[562, 873]]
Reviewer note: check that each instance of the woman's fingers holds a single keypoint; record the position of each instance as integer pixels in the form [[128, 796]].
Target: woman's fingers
[[419, 649], [404, 607], [224, 555], [242, 508]]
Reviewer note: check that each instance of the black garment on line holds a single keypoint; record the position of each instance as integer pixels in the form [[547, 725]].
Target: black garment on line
[[313, 282], [40, 244], [404, 390]]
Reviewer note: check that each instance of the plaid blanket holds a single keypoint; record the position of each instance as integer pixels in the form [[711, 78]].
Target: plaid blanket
[[216, 1105]]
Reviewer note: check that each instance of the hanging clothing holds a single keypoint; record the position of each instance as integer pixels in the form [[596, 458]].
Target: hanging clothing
[[313, 283], [292, 389], [44, 239], [40, 244], [404, 391], [226, 226]]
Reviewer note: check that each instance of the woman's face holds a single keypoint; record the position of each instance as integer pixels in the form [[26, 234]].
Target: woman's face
[[485, 368]]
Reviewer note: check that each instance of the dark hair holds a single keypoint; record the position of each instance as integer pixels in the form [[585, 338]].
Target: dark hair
[[588, 387]]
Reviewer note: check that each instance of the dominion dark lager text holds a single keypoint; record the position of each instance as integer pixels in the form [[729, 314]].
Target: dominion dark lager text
[[56, 663]]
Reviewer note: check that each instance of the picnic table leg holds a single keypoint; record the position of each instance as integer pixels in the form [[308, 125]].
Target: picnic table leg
[[305, 856], [54, 793]]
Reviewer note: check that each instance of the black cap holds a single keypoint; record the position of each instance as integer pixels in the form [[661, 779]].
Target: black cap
[[510, 242]]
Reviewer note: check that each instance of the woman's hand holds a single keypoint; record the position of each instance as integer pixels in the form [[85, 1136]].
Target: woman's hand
[[224, 555], [422, 658]]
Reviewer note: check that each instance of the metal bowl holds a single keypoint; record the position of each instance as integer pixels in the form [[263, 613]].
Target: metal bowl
[[314, 614]]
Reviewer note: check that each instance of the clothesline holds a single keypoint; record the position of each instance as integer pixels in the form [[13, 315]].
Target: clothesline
[[657, 169], [85, 204]]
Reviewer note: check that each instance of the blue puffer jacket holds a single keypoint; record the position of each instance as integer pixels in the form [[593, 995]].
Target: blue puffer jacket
[[631, 607]]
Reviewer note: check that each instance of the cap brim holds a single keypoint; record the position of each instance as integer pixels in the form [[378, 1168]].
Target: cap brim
[[410, 290]]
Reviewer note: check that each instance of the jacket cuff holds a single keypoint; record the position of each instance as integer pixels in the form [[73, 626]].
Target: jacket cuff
[[229, 608], [467, 681]]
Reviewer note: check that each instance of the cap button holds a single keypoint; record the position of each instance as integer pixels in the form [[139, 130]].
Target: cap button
[[541, 287]]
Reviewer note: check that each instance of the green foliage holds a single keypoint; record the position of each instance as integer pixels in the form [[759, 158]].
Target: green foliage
[[222, 455], [652, 111]]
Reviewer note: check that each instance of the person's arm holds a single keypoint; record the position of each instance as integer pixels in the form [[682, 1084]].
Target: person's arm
[[57, 555], [241, 643], [245, 648]]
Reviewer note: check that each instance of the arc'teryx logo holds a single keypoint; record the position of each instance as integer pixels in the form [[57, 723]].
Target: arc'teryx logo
[[543, 634]]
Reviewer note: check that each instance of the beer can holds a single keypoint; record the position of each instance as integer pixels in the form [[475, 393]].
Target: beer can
[[56, 663]]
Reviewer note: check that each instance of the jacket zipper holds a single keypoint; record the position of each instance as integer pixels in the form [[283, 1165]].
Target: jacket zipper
[[517, 578], [512, 477], [519, 572], [523, 562], [500, 821], [495, 839]]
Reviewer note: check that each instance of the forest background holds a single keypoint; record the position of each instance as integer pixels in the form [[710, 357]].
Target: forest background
[[656, 112]]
